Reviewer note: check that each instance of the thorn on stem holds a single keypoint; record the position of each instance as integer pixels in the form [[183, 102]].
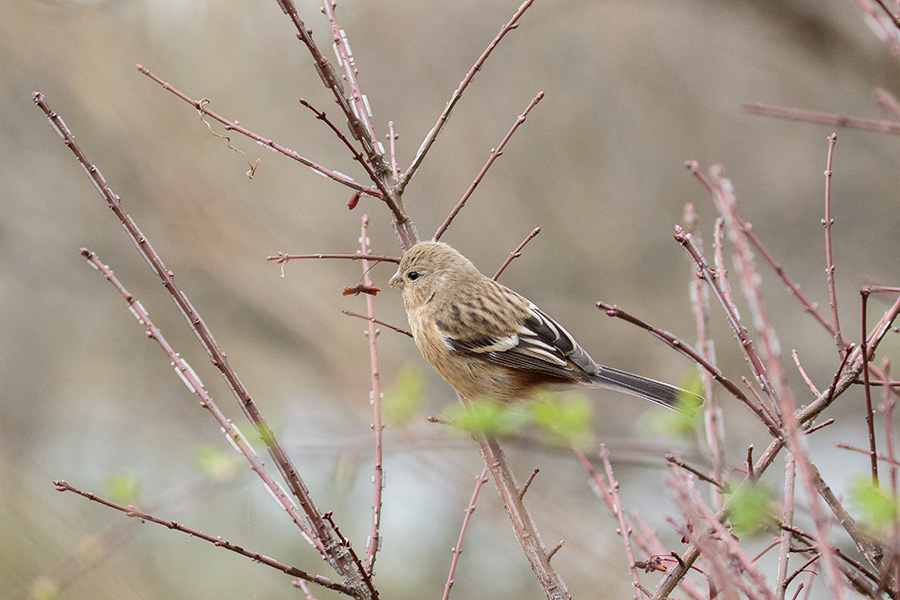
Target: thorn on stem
[[555, 549], [527, 484]]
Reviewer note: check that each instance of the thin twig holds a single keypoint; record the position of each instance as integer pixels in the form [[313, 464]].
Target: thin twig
[[687, 350], [624, 527], [374, 542], [772, 379], [738, 562], [827, 223], [803, 374], [134, 513], [235, 126], [887, 102], [882, 457], [750, 354], [457, 550], [870, 414], [527, 483], [281, 257], [187, 374], [812, 116], [495, 154], [358, 101], [333, 82], [516, 253], [350, 313], [357, 155], [321, 536], [887, 408], [555, 549], [676, 460], [392, 144], [719, 259], [713, 424], [455, 96], [523, 524], [787, 520], [894, 19]]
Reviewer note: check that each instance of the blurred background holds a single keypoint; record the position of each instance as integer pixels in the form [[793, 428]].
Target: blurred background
[[632, 91]]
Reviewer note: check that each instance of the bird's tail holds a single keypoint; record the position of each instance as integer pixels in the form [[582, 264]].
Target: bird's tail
[[661, 393]]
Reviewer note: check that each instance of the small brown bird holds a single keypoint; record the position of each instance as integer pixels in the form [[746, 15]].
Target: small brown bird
[[486, 340]]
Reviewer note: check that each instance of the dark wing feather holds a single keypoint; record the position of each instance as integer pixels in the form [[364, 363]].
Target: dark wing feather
[[529, 340]]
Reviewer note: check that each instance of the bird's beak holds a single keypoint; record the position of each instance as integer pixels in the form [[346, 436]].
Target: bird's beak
[[397, 281]]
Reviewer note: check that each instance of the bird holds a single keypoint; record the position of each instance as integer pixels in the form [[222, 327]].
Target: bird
[[487, 340]]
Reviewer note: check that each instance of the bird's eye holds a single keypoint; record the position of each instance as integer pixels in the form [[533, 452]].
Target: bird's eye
[[412, 275]]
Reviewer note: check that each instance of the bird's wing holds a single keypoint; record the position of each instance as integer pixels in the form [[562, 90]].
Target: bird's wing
[[529, 340]]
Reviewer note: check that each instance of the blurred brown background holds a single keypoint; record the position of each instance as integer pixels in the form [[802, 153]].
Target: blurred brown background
[[632, 91]]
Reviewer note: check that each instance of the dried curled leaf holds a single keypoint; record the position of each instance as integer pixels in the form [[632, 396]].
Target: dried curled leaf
[[359, 288]]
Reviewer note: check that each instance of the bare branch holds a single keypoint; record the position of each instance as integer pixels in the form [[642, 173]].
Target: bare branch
[[495, 154], [714, 426], [685, 349], [624, 527], [827, 222], [281, 257], [350, 313], [454, 98], [457, 550], [812, 116], [516, 253], [523, 524], [374, 543], [322, 538], [134, 513], [870, 415], [235, 126], [187, 374]]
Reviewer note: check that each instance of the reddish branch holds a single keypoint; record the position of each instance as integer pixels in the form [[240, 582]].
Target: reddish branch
[[870, 416], [193, 383], [457, 550], [392, 142], [516, 253], [281, 257], [685, 349], [374, 542], [350, 313], [812, 116], [356, 111], [321, 533], [456, 95], [495, 154], [827, 222], [357, 155], [624, 527], [134, 513], [714, 427], [766, 367], [523, 524], [201, 107]]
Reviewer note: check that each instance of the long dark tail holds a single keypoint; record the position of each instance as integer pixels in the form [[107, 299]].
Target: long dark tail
[[661, 393]]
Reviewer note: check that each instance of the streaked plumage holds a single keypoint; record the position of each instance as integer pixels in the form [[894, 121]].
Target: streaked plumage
[[486, 340]]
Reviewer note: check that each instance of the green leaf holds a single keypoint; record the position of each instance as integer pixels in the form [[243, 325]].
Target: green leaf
[[566, 418], [404, 402], [216, 463], [488, 416], [669, 423], [44, 588], [877, 508], [123, 487], [750, 507]]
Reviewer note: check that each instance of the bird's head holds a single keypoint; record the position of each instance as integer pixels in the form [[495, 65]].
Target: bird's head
[[428, 268]]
